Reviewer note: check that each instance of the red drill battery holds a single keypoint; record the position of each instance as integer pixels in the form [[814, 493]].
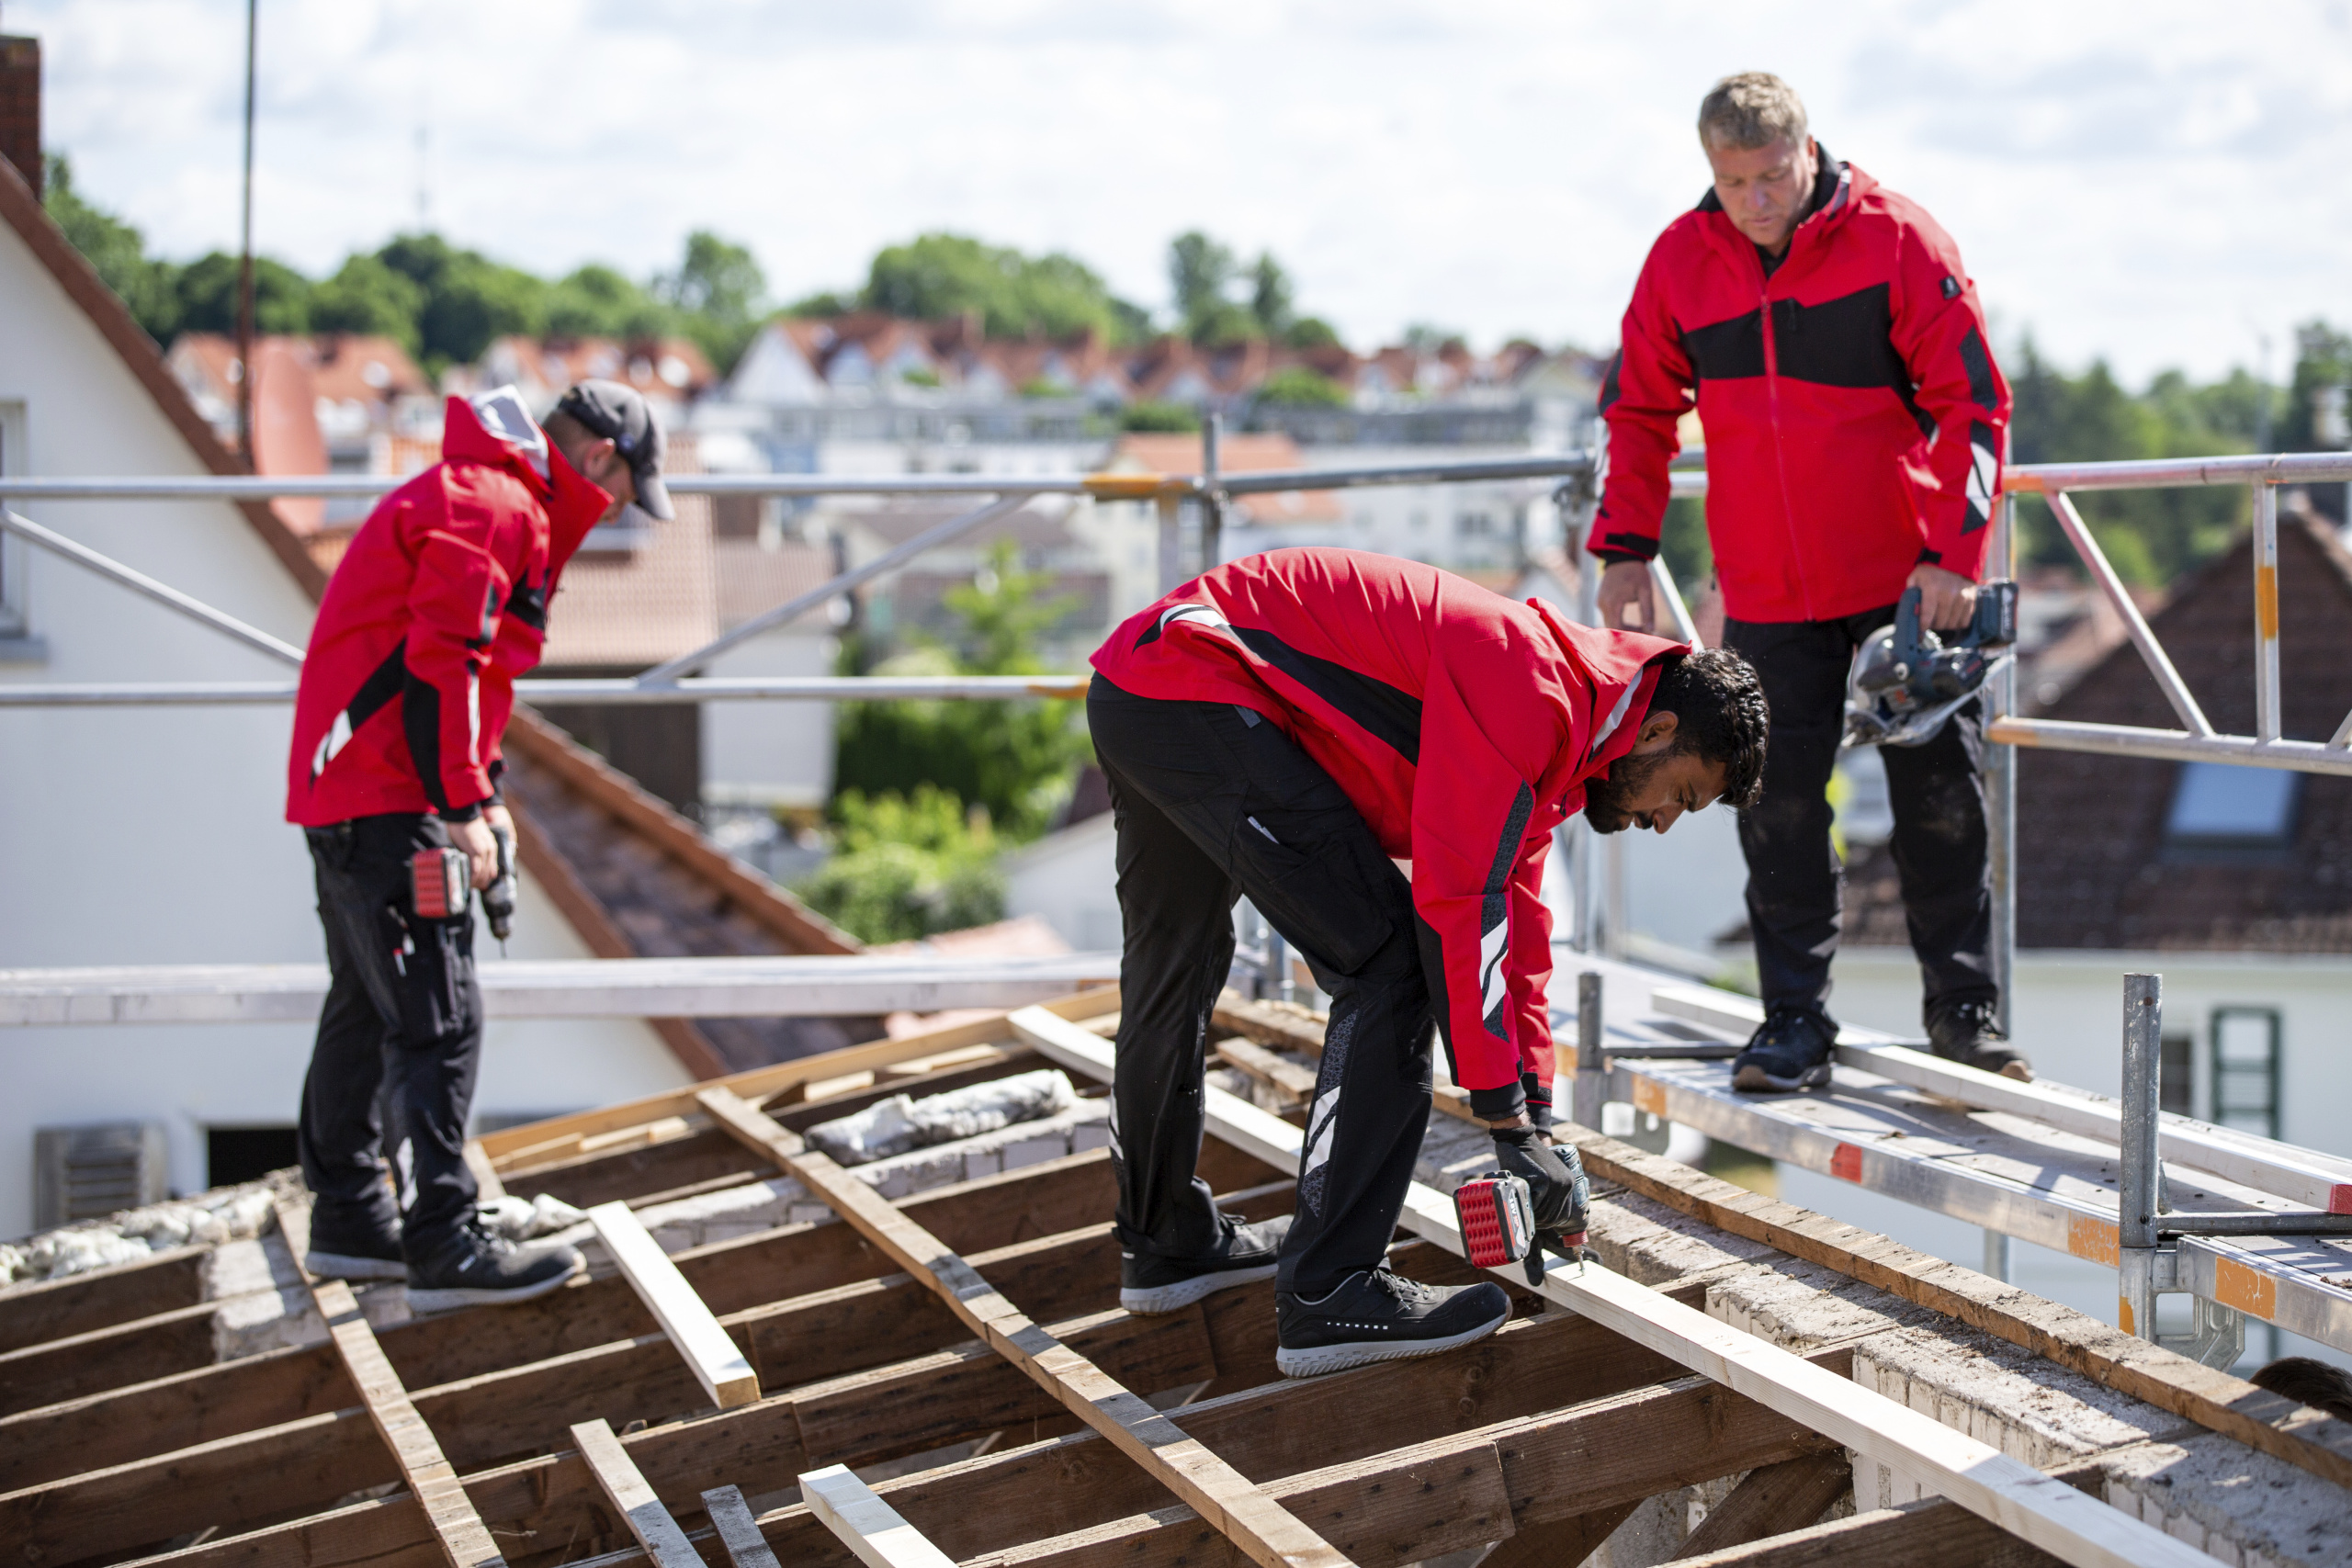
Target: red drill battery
[[439, 881], [1497, 1219]]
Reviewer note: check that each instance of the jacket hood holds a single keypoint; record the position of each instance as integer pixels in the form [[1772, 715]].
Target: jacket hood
[[1615, 665], [496, 429]]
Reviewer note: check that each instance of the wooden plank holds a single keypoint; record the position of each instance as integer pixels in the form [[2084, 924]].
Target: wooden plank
[[1933, 1534], [618, 1478], [738, 1531], [1570, 1541], [1772, 1500], [122, 1293], [716, 1364], [870, 1527], [431, 1480], [1981, 1478], [947, 1060], [1278, 1071], [765, 1083], [1259, 1526], [2101, 1352], [488, 1188]]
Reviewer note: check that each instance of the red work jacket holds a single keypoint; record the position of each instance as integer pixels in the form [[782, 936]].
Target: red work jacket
[[1854, 416], [1461, 724], [438, 604]]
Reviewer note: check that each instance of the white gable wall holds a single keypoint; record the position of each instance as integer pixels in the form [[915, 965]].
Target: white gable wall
[[157, 835]]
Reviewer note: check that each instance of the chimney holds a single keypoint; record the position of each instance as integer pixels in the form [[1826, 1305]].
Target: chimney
[[20, 107]]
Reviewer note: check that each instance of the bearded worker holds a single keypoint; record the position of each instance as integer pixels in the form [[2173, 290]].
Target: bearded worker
[[1289, 727]]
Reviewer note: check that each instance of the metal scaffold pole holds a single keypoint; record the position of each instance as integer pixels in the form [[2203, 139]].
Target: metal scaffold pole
[[2141, 1177]]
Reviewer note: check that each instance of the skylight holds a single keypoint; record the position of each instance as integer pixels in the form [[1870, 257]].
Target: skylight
[[2226, 804]]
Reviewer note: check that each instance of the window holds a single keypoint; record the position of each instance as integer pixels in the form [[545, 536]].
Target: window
[[246, 1154], [2246, 1069], [2177, 1076], [2225, 805]]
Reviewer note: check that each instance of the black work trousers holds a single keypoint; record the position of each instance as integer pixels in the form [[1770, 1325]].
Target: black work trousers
[[402, 1031], [1210, 803], [1937, 794]]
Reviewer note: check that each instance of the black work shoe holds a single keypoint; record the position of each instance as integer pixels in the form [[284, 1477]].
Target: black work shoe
[[471, 1268], [1148, 1282], [1788, 1051], [1375, 1315], [354, 1246], [1965, 1031]]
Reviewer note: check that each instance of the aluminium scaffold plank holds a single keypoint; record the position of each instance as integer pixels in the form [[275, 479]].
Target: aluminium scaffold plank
[[2302, 1177], [870, 1527], [1264, 1530], [616, 1475], [693, 1328], [2022, 1500], [430, 1478]]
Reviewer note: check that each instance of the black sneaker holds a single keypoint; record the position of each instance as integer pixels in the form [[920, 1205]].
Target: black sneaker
[[1965, 1031], [1788, 1051], [469, 1266], [1148, 1282], [345, 1245], [1376, 1315]]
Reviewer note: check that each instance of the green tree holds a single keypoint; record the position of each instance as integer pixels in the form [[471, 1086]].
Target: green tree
[[907, 865], [1311, 332], [469, 299], [367, 297], [2322, 358], [1270, 296], [1297, 386], [941, 275], [824, 303], [1198, 270], [116, 250], [1014, 759], [207, 296], [1158, 418], [600, 302], [720, 293]]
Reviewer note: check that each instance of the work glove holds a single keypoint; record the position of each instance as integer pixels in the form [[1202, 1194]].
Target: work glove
[[1556, 1186]]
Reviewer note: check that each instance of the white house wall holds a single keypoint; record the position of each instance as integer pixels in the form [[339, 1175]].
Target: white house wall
[[157, 836], [1069, 880], [770, 753]]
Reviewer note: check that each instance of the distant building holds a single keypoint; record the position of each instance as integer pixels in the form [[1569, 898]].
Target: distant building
[[670, 373]]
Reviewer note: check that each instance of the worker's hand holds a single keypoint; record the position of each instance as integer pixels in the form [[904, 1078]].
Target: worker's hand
[[1626, 584], [481, 849], [495, 812], [1947, 600], [1555, 1177]]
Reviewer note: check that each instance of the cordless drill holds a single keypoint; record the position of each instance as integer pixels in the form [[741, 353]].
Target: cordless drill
[[1497, 1219], [440, 881]]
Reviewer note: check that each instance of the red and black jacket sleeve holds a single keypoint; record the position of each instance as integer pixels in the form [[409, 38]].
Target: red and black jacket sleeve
[[1939, 329], [454, 600], [1648, 389]]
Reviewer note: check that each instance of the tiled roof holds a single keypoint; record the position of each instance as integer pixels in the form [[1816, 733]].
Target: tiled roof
[[2094, 870], [1181, 456]]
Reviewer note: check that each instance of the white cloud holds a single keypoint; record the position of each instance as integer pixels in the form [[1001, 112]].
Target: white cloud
[[2152, 182]]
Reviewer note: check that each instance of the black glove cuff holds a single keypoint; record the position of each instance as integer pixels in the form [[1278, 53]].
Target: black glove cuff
[[1539, 1098], [1498, 1104]]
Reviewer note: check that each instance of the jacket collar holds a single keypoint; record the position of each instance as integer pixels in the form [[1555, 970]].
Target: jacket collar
[[1617, 670], [496, 430], [1835, 185]]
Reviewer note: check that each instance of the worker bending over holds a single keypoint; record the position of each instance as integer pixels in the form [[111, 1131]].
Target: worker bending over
[[1829, 338], [1287, 726], [440, 602]]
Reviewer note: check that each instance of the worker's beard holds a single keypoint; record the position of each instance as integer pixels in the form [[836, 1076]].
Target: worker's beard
[[1607, 800]]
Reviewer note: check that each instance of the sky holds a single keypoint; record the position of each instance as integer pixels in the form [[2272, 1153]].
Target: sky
[[2158, 184]]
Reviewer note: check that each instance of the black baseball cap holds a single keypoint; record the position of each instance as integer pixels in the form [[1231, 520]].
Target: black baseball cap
[[619, 415]]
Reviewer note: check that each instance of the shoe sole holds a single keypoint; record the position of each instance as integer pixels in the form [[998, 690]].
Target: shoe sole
[[420, 1299], [343, 1266], [1184, 1293], [1323, 1359], [1753, 1079]]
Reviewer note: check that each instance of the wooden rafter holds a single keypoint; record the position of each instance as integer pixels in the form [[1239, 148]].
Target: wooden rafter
[[1262, 1528], [1989, 1483]]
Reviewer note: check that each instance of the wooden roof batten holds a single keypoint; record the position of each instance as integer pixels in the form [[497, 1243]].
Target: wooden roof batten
[[988, 1307]]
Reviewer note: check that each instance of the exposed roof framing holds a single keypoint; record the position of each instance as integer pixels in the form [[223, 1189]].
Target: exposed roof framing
[[132, 1437]]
